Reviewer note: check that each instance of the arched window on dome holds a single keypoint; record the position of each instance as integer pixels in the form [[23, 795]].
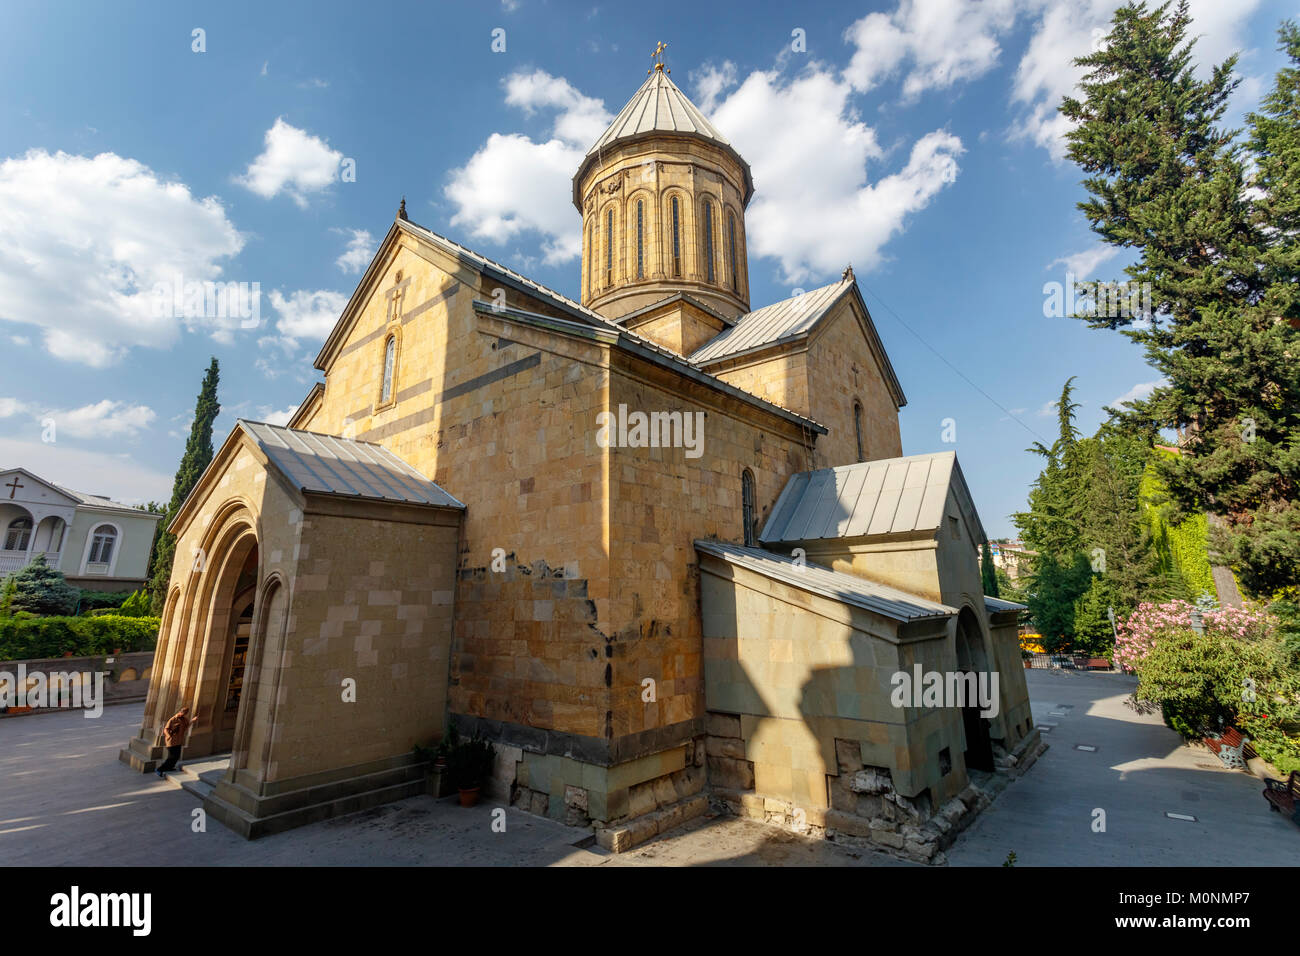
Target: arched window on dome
[[731, 252], [609, 246], [640, 239], [677, 237], [747, 506], [708, 241]]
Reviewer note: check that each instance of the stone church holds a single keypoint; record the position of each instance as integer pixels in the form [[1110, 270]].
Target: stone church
[[640, 625]]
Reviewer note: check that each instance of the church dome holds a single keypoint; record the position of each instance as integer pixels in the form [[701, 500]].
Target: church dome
[[663, 196], [658, 107]]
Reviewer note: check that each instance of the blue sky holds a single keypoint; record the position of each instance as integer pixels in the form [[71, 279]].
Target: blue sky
[[917, 140]]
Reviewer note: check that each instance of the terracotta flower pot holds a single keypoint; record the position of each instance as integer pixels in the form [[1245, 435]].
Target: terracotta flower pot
[[468, 797]]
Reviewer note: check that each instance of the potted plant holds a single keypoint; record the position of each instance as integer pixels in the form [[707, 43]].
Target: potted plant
[[470, 763]]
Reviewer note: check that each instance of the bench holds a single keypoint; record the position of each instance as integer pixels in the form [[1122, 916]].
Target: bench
[[1229, 747], [1284, 796], [1098, 664]]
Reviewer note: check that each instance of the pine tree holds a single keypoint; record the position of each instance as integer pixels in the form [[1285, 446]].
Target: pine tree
[[988, 573], [197, 457], [42, 589], [1165, 180]]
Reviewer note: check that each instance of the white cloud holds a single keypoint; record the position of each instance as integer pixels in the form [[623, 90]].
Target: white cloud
[[305, 318], [816, 210], [710, 83], [360, 250], [83, 242], [1139, 391], [116, 476], [293, 161], [1066, 30], [938, 43], [268, 414], [1082, 264], [307, 314], [103, 419], [510, 6], [513, 185]]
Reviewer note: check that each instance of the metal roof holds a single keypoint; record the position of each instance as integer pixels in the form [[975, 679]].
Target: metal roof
[[891, 496], [998, 605], [331, 465], [845, 588], [659, 107], [787, 319]]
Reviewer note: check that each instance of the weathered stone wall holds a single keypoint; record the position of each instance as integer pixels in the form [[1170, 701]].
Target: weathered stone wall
[[792, 679]]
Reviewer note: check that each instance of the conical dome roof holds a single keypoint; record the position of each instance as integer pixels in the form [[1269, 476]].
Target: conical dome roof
[[658, 107]]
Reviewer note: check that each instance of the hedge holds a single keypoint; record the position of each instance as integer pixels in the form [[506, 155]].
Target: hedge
[[36, 637]]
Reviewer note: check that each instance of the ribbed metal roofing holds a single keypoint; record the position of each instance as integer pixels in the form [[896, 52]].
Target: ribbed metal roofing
[[328, 464], [846, 588], [787, 319], [658, 107], [891, 496], [997, 605]]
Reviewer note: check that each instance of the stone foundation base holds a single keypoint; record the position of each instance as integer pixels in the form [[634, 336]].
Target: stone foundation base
[[906, 836]]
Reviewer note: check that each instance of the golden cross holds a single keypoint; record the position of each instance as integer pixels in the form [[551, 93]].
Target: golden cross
[[658, 56]]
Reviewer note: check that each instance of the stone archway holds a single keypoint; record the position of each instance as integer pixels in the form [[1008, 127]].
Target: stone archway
[[232, 573], [972, 659]]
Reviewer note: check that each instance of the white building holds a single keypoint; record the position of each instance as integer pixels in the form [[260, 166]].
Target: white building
[[96, 543]]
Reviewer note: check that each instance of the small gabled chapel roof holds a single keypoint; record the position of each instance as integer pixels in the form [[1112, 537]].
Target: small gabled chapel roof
[[891, 496], [333, 465]]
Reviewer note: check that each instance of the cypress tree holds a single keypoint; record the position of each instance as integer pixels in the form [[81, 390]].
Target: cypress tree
[[197, 457], [988, 573]]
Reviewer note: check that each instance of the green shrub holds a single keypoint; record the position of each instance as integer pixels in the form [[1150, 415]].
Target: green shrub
[[42, 589], [29, 638], [95, 600], [137, 605]]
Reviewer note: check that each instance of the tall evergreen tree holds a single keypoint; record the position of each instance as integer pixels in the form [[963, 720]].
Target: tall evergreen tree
[[988, 573], [1165, 180], [197, 457]]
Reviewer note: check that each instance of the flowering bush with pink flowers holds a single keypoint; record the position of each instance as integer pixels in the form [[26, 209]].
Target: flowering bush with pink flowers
[[1139, 632], [1236, 670]]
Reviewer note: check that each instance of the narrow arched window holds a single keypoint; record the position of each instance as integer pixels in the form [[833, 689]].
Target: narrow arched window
[[731, 252], [609, 247], [640, 239], [390, 359], [677, 239], [857, 429], [19, 535], [102, 543], [708, 241], [591, 259], [747, 506]]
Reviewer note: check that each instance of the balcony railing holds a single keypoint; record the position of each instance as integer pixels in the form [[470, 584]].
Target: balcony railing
[[11, 561]]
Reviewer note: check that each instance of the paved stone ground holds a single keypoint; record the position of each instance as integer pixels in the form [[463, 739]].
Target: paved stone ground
[[66, 800], [1140, 770]]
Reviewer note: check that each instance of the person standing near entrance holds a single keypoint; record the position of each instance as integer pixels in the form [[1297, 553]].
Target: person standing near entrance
[[174, 738]]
